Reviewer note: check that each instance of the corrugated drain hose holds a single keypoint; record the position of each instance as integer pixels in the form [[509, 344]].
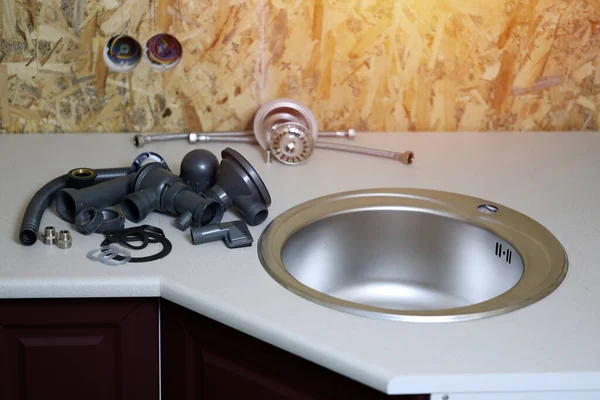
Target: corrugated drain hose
[[46, 195], [76, 178]]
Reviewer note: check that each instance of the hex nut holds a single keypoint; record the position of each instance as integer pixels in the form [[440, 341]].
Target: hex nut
[[139, 140], [65, 241], [49, 236]]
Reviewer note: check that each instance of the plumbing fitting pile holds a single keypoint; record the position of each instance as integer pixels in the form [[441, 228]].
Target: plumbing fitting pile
[[197, 198]]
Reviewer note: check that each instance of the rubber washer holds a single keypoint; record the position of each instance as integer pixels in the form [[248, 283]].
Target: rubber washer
[[122, 258], [134, 234], [126, 237], [153, 238], [88, 221], [112, 221], [103, 253]]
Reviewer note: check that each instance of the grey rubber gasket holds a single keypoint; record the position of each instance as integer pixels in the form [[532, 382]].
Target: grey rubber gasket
[[106, 253], [124, 257], [155, 235]]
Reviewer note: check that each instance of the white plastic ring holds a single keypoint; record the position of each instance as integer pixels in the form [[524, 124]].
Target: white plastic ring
[[121, 253], [103, 253]]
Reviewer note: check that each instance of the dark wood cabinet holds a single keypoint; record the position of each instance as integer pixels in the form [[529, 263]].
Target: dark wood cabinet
[[105, 349], [204, 359], [79, 349]]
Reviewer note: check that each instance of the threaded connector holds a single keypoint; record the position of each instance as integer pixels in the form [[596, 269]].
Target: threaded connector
[[49, 236], [65, 241]]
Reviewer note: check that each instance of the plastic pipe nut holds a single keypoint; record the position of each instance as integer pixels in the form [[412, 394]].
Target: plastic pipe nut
[[88, 221]]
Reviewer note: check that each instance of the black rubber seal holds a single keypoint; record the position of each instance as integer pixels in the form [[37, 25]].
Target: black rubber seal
[[141, 236], [126, 236], [153, 235]]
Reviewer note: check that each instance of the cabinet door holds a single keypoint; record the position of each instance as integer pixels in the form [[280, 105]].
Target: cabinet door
[[79, 349], [203, 359]]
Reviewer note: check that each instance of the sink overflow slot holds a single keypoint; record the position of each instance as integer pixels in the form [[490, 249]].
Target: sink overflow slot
[[506, 253], [487, 209]]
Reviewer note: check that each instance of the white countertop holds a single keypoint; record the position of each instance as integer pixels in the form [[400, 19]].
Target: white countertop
[[554, 178]]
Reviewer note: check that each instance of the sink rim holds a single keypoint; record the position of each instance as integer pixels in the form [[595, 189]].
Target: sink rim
[[544, 258]]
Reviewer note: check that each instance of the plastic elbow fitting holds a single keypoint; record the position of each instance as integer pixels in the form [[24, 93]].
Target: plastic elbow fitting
[[137, 205], [157, 188], [234, 234], [70, 202], [238, 184], [254, 212]]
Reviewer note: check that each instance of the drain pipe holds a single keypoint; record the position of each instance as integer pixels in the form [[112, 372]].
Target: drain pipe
[[70, 202], [79, 177], [157, 188]]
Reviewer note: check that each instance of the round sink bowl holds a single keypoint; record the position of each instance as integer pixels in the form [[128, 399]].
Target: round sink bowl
[[412, 255]]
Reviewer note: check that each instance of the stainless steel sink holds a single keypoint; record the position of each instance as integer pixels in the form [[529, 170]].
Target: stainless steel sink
[[412, 255]]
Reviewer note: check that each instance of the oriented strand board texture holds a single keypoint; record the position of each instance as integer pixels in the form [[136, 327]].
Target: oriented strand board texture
[[379, 65], [60, 83]]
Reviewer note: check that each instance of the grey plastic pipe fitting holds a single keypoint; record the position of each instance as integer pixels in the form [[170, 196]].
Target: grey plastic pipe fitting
[[156, 188], [235, 234], [70, 202], [238, 184]]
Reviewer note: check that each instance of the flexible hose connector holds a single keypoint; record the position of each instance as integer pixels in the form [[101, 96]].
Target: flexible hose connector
[[35, 210], [106, 174], [44, 197], [76, 178]]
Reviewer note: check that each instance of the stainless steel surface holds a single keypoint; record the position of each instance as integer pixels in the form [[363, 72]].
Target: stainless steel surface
[[219, 138], [194, 137], [291, 143], [287, 130], [279, 111], [349, 134], [142, 140], [405, 158], [49, 235], [412, 255], [65, 241], [199, 136]]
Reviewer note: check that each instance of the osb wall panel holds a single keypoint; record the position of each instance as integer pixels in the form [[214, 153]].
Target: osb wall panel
[[60, 83], [384, 65]]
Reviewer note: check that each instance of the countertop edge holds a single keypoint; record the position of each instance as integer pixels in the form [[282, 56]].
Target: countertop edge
[[154, 286], [496, 383], [340, 363], [79, 287]]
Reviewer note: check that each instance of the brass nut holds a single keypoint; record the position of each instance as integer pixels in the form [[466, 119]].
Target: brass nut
[[49, 236], [65, 241]]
